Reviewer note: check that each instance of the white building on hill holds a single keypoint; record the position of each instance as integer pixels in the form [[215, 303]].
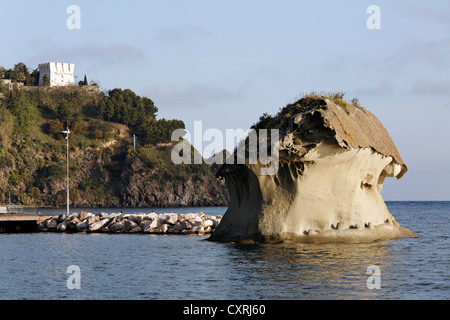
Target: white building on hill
[[60, 74]]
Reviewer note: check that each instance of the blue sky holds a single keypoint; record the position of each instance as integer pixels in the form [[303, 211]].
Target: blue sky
[[228, 62]]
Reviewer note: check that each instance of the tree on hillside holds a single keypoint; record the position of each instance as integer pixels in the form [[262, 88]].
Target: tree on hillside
[[83, 82], [54, 127], [7, 121], [34, 77], [125, 107], [20, 73], [64, 112], [157, 131], [23, 106], [46, 80]]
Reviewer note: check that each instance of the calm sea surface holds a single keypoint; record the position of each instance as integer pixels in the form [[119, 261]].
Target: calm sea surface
[[121, 266]]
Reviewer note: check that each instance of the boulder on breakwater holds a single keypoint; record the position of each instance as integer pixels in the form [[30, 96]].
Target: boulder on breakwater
[[151, 223]]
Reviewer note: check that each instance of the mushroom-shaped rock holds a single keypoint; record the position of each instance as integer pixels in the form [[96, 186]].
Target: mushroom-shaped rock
[[332, 161]]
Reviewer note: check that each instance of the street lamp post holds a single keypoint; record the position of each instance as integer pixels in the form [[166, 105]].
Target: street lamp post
[[67, 181]]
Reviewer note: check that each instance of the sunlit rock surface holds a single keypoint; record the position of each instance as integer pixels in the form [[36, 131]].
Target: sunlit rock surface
[[333, 159]]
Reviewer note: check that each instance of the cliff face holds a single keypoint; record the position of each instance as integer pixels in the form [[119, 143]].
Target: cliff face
[[113, 176], [182, 188], [333, 159]]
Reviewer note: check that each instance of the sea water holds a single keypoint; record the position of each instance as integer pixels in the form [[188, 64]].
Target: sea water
[[173, 267]]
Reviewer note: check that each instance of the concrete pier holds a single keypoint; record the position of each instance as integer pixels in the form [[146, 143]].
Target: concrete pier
[[19, 223]]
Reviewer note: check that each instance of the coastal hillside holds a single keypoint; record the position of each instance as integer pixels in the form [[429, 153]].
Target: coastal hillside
[[105, 169]]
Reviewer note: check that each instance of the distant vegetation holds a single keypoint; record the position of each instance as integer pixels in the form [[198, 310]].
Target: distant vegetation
[[68, 106], [20, 73]]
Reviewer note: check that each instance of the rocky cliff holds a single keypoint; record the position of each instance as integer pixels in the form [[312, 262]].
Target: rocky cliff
[[333, 159], [108, 175]]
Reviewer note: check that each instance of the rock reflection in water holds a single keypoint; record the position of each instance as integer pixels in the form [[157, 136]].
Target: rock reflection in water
[[312, 271]]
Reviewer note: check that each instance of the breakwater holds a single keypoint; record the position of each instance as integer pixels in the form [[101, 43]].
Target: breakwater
[[151, 223]]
